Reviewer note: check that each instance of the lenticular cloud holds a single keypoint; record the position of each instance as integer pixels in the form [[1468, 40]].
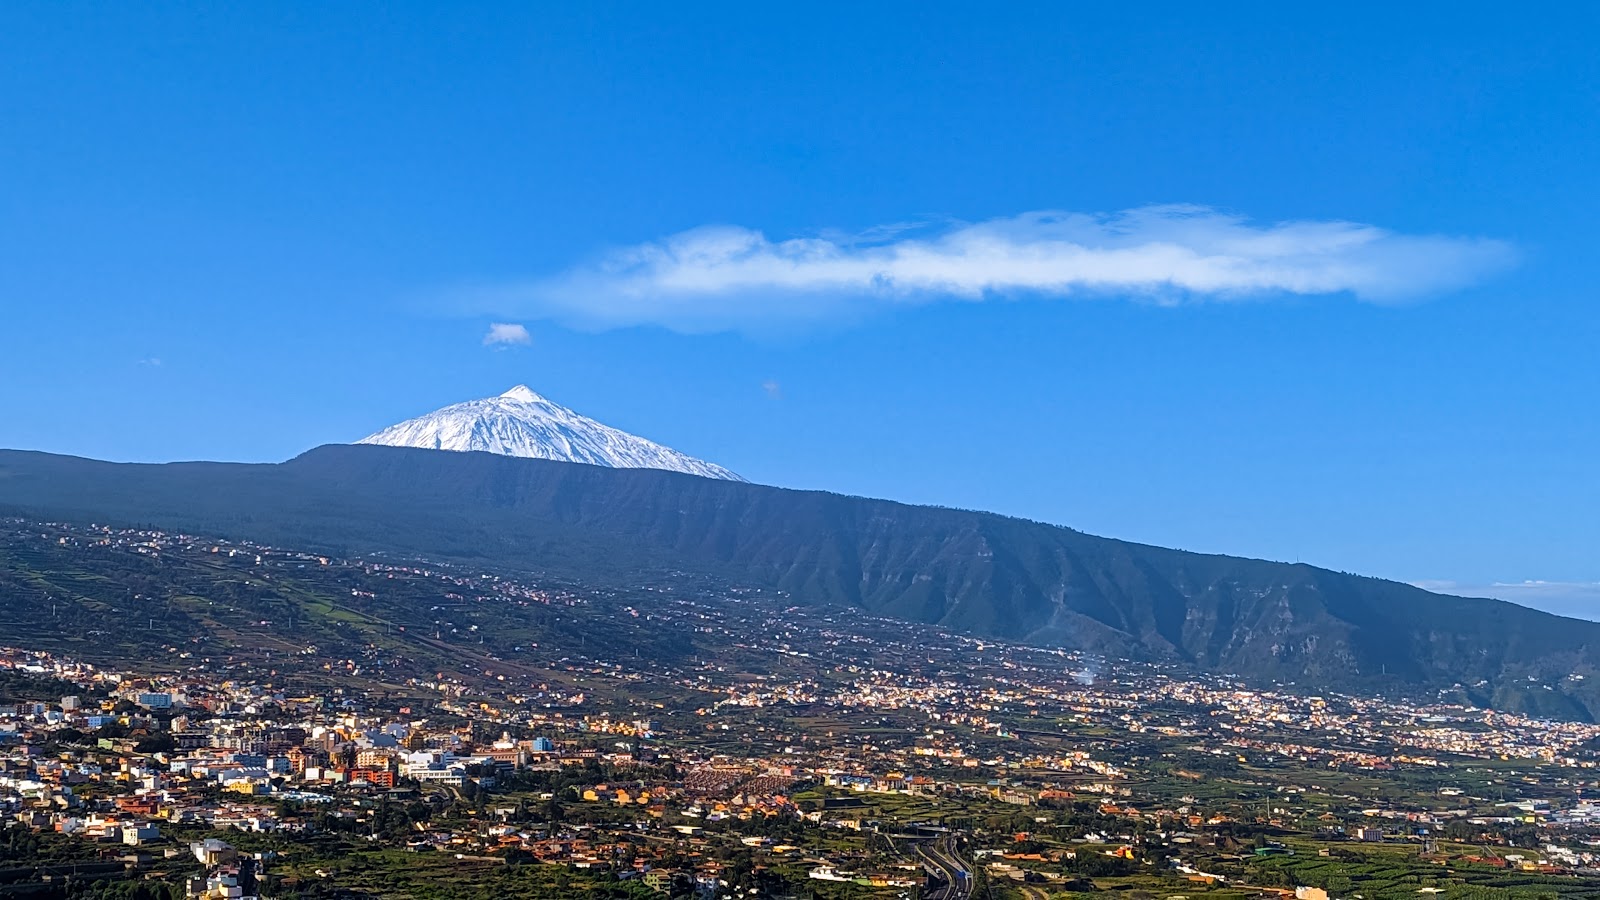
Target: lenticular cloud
[[723, 277]]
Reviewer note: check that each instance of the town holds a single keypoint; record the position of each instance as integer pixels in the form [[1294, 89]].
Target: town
[[182, 716]]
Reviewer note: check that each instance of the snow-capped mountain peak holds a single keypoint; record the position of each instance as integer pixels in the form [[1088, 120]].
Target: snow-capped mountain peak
[[522, 423]]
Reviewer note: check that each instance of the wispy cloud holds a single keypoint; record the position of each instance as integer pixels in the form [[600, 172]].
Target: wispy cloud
[[504, 334], [1580, 599], [774, 390], [153, 362], [724, 277]]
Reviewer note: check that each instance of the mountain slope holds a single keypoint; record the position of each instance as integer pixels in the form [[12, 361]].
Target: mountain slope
[[978, 572], [522, 423]]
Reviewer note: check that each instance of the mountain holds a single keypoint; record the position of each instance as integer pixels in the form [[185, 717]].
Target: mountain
[[981, 573], [522, 423]]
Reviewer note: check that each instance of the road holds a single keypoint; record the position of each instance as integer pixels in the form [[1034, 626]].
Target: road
[[955, 871]]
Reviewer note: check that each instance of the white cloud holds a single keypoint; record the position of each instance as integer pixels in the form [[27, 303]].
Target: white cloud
[[725, 277], [153, 362], [1580, 599], [503, 334], [773, 389]]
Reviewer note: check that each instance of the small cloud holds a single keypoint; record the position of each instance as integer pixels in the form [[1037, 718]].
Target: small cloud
[[717, 278], [773, 389], [507, 334], [153, 362]]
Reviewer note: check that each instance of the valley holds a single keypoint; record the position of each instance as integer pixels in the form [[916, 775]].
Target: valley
[[340, 716]]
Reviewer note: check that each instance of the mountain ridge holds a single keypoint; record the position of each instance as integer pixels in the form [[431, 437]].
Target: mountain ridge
[[981, 573]]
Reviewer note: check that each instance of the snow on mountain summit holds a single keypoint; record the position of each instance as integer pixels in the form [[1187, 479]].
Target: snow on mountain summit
[[521, 423]]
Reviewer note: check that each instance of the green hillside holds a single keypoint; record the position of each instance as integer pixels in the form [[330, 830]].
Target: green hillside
[[986, 574]]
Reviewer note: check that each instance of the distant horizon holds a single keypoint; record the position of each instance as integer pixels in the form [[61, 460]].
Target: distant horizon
[[1580, 601]]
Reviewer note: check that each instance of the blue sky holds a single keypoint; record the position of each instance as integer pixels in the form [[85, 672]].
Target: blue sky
[[1350, 318]]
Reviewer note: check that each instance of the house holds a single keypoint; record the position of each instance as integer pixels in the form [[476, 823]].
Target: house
[[139, 834]]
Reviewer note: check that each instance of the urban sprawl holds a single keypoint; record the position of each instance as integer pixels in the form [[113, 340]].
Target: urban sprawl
[[690, 739]]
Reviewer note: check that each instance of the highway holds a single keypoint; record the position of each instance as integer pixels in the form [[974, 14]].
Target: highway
[[956, 873]]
